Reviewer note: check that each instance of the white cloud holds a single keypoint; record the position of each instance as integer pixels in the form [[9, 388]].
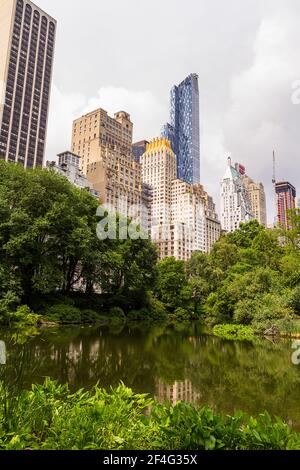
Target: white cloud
[[261, 116], [146, 113]]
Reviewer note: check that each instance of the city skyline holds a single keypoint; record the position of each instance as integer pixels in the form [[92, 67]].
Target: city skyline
[[247, 61]]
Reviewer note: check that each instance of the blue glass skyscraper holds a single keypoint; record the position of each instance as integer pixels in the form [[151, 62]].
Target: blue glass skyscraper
[[183, 131]]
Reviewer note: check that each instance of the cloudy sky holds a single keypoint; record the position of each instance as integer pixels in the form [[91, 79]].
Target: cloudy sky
[[127, 55]]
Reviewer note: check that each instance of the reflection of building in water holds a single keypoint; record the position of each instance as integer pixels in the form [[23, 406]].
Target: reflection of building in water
[[179, 391], [2, 353]]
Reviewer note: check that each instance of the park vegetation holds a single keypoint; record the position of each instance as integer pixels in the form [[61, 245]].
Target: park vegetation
[[54, 268], [49, 417]]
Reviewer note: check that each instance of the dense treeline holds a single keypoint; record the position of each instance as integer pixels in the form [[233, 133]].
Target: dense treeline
[[49, 249], [251, 277], [52, 261]]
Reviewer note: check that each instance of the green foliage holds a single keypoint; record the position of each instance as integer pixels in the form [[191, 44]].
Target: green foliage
[[63, 313], [49, 246], [236, 332], [251, 277], [49, 417], [294, 300], [117, 312], [170, 282], [244, 236], [89, 316], [181, 315]]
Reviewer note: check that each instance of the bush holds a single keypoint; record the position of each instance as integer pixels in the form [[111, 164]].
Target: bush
[[157, 308], [147, 314], [244, 312], [181, 315], [294, 300], [49, 417], [268, 309], [117, 312], [89, 316], [235, 332], [64, 314], [139, 315]]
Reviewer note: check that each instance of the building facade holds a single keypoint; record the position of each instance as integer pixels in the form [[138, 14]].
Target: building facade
[[96, 132], [118, 179], [235, 201], [257, 196], [69, 166], [183, 131], [27, 38], [138, 149], [183, 217], [105, 147], [286, 200]]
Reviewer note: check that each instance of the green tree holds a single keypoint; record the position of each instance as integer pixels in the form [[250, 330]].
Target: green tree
[[172, 279]]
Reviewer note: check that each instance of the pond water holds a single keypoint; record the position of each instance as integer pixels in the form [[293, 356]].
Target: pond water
[[170, 363]]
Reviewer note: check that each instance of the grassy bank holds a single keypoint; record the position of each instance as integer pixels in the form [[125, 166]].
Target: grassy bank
[[49, 417]]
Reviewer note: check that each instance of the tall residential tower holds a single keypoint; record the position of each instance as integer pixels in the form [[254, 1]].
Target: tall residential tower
[[286, 200], [27, 38], [183, 216], [235, 200], [183, 131]]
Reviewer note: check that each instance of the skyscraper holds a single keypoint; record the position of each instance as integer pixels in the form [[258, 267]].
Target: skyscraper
[[94, 132], [27, 38], [138, 149], [104, 144], [183, 131], [257, 196], [183, 216], [286, 200], [235, 201]]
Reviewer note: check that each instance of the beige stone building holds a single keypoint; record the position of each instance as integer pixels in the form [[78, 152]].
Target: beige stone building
[[27, 39], [105, 147], [256, 192], [95, 135], [183, 215]]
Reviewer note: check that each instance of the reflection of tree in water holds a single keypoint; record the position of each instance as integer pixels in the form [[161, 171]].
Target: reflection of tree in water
[[165, 362]]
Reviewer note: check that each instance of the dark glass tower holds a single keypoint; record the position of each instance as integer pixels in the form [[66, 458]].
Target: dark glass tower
[[183, 131], [27, 38]]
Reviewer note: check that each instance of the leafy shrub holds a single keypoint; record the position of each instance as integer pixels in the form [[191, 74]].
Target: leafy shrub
[[117, 312], [89, 316], [64, 314], [236, 332], [180, 315], [268, 309], [294, 300], [49, 417], [157, 308], [139, 315]]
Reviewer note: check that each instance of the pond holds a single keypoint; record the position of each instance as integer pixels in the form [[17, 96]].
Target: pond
[[170, 363]]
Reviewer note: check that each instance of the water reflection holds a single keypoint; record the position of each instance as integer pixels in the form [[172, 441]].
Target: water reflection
[[178, 391], [170, 364], [2, 353]]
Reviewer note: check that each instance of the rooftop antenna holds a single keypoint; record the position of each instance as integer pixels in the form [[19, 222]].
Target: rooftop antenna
[[274, 188], [274, 168]]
